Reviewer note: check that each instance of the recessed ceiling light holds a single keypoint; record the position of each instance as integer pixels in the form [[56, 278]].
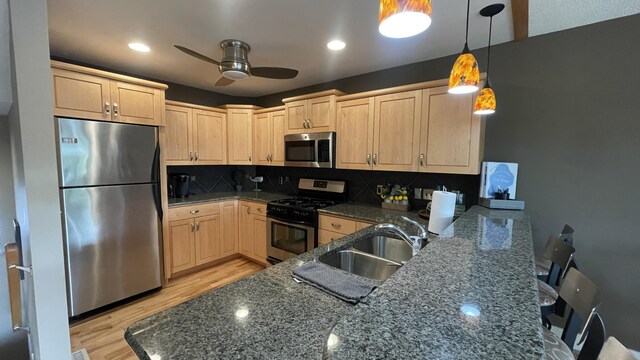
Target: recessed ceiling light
[[140, 47], [336, 45]]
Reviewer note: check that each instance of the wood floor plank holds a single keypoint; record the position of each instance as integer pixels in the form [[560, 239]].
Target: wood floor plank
[[103, 335]]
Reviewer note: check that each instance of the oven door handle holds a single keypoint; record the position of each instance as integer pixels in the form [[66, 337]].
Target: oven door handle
[[292, 222]]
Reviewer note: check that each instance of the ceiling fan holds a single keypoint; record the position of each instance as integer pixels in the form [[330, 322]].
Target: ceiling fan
[[235, 63]]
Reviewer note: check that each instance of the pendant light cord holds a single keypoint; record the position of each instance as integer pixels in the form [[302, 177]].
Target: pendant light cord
[[466, 38], [489, 47]]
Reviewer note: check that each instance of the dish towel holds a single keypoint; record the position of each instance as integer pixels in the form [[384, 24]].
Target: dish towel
[[335, 282]]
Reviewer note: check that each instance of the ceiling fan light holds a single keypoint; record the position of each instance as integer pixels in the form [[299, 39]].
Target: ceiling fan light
[[404, 18], [235, 75], [465, 74], [485, 102]]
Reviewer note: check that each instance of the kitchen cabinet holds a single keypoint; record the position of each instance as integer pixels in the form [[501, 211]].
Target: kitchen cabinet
[[201, 234], [195, 135], [253, 231], [239, 134], [86, 93], [331, 228], [379, 133], [452, 137], [268, 137], [311, 113]]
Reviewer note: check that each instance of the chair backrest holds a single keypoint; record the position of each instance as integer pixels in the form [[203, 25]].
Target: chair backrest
[[614, 350], [595, 339], [567, 234], [560, 253], [583, 297]]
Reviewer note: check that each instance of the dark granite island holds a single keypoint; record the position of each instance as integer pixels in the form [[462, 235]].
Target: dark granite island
[[470, 293]]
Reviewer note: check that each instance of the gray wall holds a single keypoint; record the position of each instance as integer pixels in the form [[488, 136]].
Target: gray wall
[[567, 113]]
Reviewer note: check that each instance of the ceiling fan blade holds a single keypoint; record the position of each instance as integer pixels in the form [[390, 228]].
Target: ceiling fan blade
[[274, 72], [196, 54], [224, 81]]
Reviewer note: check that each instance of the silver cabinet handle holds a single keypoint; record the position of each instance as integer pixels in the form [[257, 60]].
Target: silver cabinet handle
[[249, 157], [115, 109], [196, 155], [304, 124], [194, 211], [248, 210], [368, 159], [421, 159], [309, 126], [193, 227], [191, 156], [337, 226], [107, 108], [375, 159], [197, 226]]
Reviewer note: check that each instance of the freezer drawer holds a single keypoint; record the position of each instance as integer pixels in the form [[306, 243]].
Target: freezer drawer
[[101, 153], [112, 244]]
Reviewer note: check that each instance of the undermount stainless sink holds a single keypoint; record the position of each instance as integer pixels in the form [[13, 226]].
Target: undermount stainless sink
[[385, 247], [362, 264]]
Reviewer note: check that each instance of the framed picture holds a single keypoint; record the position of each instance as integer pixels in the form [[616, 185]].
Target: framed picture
[[498, 177]]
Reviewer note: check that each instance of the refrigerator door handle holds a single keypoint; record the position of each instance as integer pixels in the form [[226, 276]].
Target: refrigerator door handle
[[155, 177]]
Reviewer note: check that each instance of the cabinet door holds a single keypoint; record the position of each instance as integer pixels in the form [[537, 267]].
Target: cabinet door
[[354, 134], [239, 136], [183, 249], [208, 235], [362, 225], [278, 131], [260, 238], [295, 117], [261, 139], [178, 146], [451, 135], [245, 229], [80, 95], [321, 113], [136, 104], [326, 236], [229, 240], [397, 131], [209, 137]]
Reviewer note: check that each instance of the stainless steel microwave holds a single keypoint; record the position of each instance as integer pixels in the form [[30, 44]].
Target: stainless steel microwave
[[310, 150]]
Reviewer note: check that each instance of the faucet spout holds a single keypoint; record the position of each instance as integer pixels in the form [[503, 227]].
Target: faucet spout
[[414, 241]]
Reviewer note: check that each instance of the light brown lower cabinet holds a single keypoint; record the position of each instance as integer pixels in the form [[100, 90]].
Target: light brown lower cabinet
[[253, 231], [331, 228], [201, 234]]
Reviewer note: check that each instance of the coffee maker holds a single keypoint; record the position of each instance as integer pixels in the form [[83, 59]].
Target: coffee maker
[[179, 185]]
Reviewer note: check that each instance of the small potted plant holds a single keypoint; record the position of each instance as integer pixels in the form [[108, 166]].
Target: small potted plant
[[238, 177]]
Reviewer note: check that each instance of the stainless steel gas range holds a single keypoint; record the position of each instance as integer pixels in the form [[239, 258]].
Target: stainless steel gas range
[[292, 223]]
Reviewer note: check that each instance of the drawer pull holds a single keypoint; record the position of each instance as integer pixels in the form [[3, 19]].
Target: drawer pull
[[194, 211], [337, 226]]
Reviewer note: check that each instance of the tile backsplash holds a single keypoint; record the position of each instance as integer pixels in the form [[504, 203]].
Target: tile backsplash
[[213, 178]]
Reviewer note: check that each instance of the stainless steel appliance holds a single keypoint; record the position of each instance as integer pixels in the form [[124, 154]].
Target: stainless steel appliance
[[109, 192], [292, 223], [310, 150]]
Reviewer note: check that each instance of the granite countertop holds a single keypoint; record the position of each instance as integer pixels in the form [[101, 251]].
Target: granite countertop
[[372, 213], [470, 293], [261, 196]]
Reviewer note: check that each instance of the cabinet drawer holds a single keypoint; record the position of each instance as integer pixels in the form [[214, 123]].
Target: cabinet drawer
[[186, 212], [363, 224], [326, 236], [336, 224], [258, 208]]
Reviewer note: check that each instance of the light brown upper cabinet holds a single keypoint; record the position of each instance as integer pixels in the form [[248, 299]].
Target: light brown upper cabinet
[[240, 134], [379, 133], [195, 135], [268, 136], [452, 137], [311, 113], [354, 131], [87, 93]]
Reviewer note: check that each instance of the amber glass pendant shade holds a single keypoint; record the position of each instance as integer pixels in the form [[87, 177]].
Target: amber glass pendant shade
[[465, 74], [404, 18], [486, 101]]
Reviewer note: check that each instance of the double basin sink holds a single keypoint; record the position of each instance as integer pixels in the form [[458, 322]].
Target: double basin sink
[[375, 257]]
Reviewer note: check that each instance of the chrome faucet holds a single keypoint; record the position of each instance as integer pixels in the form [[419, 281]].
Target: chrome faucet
[[414, 241], [422, 232]]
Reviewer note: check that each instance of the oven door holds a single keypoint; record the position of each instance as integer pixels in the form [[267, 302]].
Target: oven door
[[286, 240], [310, 150]]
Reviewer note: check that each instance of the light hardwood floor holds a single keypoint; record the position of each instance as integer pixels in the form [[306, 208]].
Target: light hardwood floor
[[103, 335]]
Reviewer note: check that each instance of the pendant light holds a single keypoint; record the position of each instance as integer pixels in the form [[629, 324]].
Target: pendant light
[[486, 101], [465, 75], [404, 18]]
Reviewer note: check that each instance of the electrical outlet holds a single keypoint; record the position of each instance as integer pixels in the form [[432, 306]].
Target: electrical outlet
[[427, 194], [281, 180], [193, 178], [379, 189]]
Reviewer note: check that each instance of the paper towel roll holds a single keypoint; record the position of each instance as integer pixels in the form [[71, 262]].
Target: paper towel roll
[[443, 206]]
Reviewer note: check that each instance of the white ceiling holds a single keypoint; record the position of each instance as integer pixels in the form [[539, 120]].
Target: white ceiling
[[287, 33]]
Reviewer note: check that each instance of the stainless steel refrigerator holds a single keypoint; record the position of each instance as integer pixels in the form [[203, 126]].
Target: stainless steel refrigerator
[[111, 213]]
